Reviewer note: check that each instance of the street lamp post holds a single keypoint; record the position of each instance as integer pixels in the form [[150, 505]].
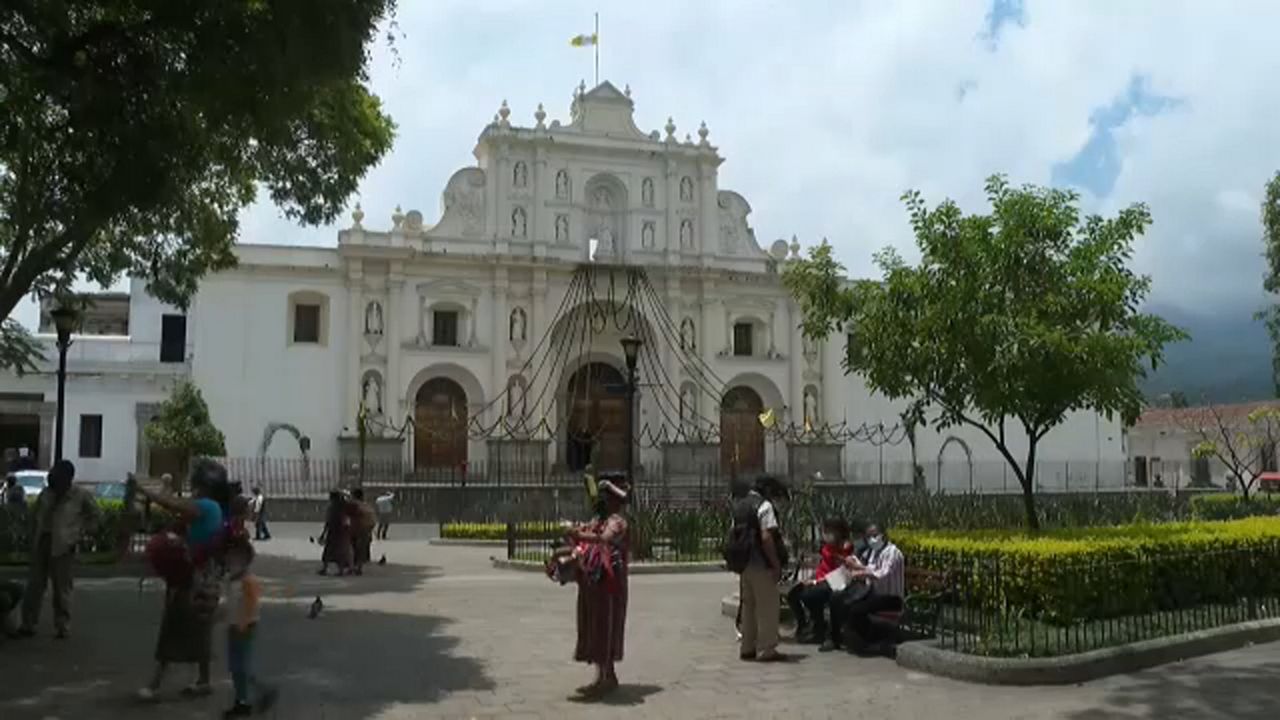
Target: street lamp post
[[631, 351], [64, 321]]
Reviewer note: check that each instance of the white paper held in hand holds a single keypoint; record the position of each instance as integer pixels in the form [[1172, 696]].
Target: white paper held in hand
[[838, 579]]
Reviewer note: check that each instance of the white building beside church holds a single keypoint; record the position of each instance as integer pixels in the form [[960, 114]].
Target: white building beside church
[[492, 335]]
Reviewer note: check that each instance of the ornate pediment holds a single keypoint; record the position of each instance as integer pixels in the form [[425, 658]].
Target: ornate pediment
[[449, 289]]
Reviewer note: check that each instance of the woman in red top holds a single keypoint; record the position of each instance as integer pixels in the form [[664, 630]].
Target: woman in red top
[[808, 600]]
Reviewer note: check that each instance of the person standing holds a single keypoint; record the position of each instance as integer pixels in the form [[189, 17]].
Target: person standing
[[15, 496], [882, 588], [193, 592], [258, 506], [244, 599], [756, 520], [63, 512], [602, 588], [363, 522], [336, 536], [383, 503]]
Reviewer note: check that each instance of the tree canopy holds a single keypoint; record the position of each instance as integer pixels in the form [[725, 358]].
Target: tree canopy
[[1271, 280], [134, 131], [184, 424], [1018, 316]]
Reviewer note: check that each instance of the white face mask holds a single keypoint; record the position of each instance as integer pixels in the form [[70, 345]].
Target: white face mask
[[875, 542], [829, 539]]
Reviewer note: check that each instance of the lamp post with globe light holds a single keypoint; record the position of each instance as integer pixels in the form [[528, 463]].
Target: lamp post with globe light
[[64, 318]]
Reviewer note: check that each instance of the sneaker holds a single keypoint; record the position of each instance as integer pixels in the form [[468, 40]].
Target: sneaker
[[240, 709]]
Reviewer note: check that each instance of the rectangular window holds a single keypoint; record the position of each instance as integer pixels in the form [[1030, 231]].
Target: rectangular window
[[742, 340], [90, 436], [306, 323], [173, 338], [444, 328]]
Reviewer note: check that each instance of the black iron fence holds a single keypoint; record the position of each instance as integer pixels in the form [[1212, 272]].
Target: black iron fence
[[1007, 608]]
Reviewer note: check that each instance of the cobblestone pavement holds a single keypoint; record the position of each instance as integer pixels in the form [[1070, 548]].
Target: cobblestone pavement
[[437, 633]]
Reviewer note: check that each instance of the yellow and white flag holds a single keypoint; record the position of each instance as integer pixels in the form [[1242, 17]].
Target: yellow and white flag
[[767, 418], [584, 40]]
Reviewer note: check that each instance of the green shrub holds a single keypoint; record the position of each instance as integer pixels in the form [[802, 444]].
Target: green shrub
[[1229, 506], [1067, 576], [498, 531], [105, 537]]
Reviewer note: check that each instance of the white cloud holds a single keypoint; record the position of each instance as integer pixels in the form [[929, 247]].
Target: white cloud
[[826, 115]]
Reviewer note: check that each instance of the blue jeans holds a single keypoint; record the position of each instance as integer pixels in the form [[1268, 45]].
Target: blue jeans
[[240, 660]]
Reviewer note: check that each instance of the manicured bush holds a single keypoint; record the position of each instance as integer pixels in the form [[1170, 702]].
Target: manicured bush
[[105, 537], [1229, 506], [1067, 576], [498, 531]]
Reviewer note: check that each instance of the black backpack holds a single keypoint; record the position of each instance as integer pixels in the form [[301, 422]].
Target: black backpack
[[744, 534]]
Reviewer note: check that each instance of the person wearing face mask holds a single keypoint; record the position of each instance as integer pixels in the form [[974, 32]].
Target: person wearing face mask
[[63, 513], [880, 585], [808, 600]]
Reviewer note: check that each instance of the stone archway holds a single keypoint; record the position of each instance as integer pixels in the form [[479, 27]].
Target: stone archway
[[964, 473], [440, 425], [741, 435]]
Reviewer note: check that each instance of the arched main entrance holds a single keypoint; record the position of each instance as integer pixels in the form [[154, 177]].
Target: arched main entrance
[[597, 418], [741, 435], [440, 425]]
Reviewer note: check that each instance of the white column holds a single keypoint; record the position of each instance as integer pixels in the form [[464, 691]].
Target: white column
[[500, 344], [394, 327], [669, 212], [355, 340], [708, 228]]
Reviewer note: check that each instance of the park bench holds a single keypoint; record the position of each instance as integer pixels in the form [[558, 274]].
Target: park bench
[[926, 590]]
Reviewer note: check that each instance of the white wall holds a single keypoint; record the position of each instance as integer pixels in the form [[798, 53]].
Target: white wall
[[250, 372]]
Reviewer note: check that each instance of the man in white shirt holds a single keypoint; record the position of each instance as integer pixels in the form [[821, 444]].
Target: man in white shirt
[[258, 508], [758, 589], [882, 589], [383, 506]]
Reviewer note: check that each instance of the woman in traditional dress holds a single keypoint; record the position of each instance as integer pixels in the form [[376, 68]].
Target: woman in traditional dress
[[602, 588], [336, 536], [193, 575]]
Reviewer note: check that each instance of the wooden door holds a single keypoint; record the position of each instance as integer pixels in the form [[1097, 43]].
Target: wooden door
[[440, 426], [741, 435], [597, 425]]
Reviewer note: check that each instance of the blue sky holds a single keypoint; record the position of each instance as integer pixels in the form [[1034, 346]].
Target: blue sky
[[826, 111]]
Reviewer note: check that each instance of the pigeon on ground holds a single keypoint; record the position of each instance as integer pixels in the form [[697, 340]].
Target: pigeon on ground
[[311, 539], [316, 606], [382, 560]]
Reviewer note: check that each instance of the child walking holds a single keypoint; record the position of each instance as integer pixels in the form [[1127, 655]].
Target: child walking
[[244, 597]]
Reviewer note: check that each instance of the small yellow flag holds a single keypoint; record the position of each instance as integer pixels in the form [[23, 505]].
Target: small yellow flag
[[584, 40], [767, 418]]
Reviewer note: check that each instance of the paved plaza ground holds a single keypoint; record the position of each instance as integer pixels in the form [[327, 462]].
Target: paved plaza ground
[[437, 633]]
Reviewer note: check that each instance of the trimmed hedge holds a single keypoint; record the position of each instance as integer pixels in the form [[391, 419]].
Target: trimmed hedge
[[105, 538], [498, 531], [1229, 506], [1067, 576]]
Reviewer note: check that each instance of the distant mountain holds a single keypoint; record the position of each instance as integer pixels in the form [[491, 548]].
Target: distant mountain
[[1227, 359]]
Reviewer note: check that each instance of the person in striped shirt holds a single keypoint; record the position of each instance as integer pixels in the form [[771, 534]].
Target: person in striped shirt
[[882, 589]]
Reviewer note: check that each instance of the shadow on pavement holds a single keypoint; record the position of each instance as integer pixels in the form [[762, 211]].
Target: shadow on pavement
[[347, 663], [1200, 689], [625, 696], [290, 577]]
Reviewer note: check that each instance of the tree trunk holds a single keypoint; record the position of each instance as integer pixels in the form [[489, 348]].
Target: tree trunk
[[1028, 487]]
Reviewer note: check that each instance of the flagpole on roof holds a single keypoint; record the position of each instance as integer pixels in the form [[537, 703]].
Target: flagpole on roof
[[597, 48]]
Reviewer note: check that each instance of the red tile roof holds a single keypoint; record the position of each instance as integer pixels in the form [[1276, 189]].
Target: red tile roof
[[1180, 417]]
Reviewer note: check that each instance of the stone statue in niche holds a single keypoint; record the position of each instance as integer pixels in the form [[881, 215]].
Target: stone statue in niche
[[519, 227], [688, 340], [519, 175], [562, 228], [646, 192], [810, 409], [562, 185], [373, 318], [517, 329], [602, 198], [608, 241], [686, 234], [686, 189], [516, 398], [646, 235], [372, 394], [688, 407]]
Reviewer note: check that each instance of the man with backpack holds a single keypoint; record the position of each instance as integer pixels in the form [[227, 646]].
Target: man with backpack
[[755, 551]]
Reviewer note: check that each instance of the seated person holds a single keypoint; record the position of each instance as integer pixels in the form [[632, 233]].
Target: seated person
[[880, 587], [808, 600]]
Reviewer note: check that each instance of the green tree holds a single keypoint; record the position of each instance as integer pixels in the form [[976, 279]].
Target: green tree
[[1271, 281], [184, 426], [133, 132], [1013, 318]]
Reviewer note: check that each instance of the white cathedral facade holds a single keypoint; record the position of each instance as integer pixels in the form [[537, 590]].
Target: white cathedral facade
[[494, 334]]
